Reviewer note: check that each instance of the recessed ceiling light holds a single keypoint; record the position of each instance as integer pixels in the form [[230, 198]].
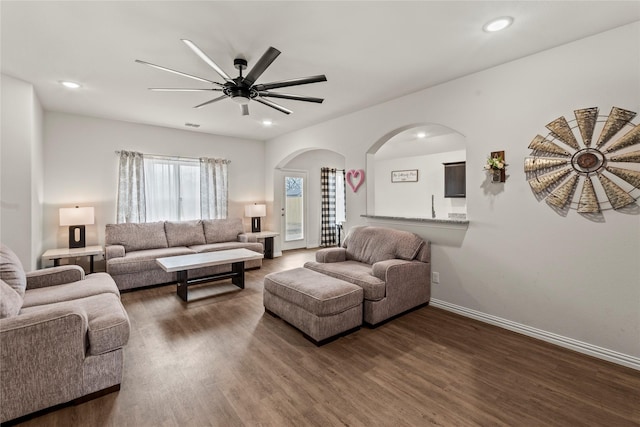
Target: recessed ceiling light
[[421, 135], [70, 85], [267, 122], [498, 24]]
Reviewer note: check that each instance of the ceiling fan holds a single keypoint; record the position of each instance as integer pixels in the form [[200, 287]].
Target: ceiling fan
[[243, 89]]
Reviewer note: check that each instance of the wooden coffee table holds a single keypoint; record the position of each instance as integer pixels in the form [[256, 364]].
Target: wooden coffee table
[[183, 263]]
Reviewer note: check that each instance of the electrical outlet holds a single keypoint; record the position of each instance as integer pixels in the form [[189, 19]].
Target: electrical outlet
[[435, 277]]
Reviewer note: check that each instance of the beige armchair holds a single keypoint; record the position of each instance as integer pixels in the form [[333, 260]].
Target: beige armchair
[[391, 266], [61, 336]]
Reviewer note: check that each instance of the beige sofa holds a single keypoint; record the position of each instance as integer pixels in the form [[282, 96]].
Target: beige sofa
[[132, 249], [61, 336], [391, 266]]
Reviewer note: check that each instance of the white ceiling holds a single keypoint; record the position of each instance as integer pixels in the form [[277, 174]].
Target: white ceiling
[[421, 140], [370, 52]]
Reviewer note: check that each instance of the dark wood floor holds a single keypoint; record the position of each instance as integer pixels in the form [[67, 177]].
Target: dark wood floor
[[222, 362]]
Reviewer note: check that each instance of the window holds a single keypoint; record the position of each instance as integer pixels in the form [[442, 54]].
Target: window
[[172, 189], [157, 188], [294, 208], [341, 203]]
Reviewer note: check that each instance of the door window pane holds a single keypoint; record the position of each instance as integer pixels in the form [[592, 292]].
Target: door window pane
[[294, 208]]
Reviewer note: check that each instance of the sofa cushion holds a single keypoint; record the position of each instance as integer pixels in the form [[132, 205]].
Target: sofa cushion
[[11, 270], [139, 261], [93, 284], [184, 233], [135, 237], [256, 247], [353, 272], [372, 244], [10, 301], [222, 230]]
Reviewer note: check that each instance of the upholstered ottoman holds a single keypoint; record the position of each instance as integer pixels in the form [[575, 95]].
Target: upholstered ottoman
[[322, 307]]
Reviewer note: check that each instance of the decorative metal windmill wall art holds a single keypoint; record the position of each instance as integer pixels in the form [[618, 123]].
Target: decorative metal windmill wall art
[[589, 177]]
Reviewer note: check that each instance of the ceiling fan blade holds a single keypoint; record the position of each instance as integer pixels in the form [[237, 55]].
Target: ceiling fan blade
[[267, 58], [273, 105], [208, 60], [245, 109], [290, 96], [170, 89], [211, 102], [180, 73], [291, 82]]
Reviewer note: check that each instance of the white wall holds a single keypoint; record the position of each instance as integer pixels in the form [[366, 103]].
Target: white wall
[[519, 260], [312, 162], [81, 166], [21, 171], [413, 199]]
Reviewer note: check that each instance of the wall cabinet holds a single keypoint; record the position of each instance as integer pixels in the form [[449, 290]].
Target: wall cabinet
[[455, 179]]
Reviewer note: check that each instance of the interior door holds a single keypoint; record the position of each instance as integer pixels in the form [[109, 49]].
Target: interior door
[[294, 210]]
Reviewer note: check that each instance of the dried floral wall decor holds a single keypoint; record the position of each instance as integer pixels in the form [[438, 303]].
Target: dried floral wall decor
[[496, 166], [570, 169]]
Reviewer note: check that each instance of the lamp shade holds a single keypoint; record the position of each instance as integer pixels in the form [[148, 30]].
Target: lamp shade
[[76, 216], [256, 210]]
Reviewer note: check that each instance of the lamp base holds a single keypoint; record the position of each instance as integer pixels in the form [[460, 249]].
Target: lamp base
[[255, 224], [77, 236]]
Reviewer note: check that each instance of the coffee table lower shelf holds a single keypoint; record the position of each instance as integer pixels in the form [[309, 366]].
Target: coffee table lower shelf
[[181, 265], [236, 275]]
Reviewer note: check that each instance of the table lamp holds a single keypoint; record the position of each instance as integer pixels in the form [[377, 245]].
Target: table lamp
[[76, 218], [255, 211]]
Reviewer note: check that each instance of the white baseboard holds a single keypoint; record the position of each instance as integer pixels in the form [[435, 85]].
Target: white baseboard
[[570, 343]]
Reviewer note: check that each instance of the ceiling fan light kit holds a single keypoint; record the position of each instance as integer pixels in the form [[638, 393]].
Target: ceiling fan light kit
[[243, 89]]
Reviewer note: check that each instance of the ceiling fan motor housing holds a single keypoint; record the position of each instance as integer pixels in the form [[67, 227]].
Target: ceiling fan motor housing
[[240, 93]]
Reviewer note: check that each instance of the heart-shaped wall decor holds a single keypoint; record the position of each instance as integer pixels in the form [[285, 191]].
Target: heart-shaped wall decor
[[353, 175]]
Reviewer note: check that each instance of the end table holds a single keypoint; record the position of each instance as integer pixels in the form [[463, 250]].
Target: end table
[[57, 254], [268, 241]]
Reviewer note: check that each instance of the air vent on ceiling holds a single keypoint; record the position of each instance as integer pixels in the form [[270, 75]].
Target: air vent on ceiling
[[192, 125]]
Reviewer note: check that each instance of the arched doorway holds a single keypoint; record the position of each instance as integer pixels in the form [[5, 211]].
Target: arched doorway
[[415, 155], [297, 186]]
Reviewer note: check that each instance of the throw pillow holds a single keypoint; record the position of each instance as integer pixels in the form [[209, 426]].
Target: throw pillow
[[184, 233], [10, 301], [11, 270], [222, 230], [137, 236]]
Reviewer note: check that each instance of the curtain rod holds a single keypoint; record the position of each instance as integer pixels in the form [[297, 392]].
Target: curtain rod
[[164, 156]]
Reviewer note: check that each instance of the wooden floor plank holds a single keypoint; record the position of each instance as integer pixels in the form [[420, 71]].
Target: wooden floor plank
[[221, 361]]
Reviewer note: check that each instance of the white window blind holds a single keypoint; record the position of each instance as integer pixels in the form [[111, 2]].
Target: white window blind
[[172, 189]]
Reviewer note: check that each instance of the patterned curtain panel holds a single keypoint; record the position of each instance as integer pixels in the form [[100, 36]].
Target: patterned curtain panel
[[328, 192], [213, 188], [131, 196]]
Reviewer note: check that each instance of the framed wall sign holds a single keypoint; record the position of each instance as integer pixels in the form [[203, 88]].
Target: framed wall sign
[[410, 175]]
